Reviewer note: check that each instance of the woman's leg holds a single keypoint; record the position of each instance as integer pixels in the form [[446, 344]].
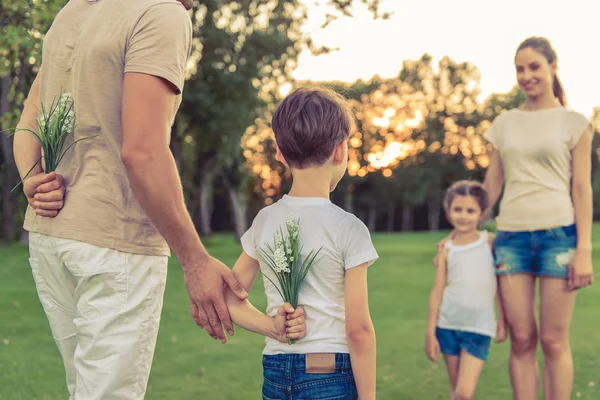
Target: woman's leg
[[518, 298], [556, 309]]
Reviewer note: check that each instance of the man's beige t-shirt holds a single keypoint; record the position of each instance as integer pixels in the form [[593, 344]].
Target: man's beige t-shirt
[[535, 148], [87, 51]]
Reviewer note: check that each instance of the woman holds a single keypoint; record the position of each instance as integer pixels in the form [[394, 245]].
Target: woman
[[541, 153]]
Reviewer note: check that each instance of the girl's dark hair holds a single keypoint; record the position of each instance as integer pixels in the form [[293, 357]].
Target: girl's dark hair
[[543, 46], [467, 188]]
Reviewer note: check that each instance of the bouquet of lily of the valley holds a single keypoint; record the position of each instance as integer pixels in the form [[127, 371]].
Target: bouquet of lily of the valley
[[284, 259], [54, 127]]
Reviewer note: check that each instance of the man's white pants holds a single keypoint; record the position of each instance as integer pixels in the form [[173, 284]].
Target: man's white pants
[[104, 310]]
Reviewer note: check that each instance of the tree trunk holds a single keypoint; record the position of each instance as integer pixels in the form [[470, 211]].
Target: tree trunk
[[391, 217], [238, 200], [8, 169], [206, 205], [24, 239], [407, 219], [349, 200], [434, 209], [372, 219], [175, 146]]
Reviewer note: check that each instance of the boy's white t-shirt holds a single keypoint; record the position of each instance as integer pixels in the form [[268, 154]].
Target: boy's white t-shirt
[[346, 243]]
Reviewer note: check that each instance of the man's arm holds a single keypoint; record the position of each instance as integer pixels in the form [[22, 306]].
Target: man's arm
[[44, 192], [146, 115], [26, 147]]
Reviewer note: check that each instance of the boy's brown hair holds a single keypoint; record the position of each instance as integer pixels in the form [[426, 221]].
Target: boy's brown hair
[[308, 125], [467, 188]]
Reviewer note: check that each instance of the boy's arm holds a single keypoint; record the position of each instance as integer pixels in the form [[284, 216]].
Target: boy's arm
[[437, 292], [360, 332], [245, 315]]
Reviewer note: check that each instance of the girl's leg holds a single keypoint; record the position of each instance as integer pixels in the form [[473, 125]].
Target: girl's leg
[[518, 299], [556, 309], [469, 371], [452, 364]]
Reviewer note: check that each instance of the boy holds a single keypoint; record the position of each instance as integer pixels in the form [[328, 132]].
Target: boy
[[336, 358]]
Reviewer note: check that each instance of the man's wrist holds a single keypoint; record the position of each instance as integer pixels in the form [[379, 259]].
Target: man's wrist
[[192, 255]]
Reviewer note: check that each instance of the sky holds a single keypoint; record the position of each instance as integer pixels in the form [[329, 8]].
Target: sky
[[483, 32]]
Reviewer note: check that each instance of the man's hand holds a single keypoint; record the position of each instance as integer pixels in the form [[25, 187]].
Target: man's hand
[[45, 193], [205, 284], [289, 323]]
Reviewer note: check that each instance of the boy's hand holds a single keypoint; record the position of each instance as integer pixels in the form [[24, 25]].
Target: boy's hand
[[500, 331], [432, 347], [289, 323]]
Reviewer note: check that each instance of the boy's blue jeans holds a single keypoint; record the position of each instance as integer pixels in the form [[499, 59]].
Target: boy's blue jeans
[[285, 378]]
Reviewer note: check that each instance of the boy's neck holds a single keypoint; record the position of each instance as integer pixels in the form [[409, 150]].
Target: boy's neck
[[310, 182]]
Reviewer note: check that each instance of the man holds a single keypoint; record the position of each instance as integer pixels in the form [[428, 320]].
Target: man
[[101, 226]]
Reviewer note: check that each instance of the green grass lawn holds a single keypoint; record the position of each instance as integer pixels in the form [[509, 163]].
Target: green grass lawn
[[190, 365]]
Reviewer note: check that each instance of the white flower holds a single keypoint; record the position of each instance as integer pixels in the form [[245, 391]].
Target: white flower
[[291, 223], [64, 111], [280, 260], [278, 240]]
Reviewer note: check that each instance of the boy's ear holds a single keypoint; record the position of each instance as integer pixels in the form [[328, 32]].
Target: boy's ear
[[339, 152], [279, 157]]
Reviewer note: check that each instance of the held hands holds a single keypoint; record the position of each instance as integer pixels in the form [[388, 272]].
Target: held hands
[[500, 331], [581, 271], [45, 193], [432, 347], [289, 323], [205, 282], [440, 248]]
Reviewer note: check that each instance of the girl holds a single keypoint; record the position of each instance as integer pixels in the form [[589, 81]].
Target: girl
[[461, 318], [541, 150]]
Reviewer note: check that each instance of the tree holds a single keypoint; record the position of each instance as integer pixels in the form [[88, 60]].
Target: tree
[[22, 28], [244, 53]]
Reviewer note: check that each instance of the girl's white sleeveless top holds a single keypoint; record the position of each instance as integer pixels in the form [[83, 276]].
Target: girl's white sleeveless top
[[469, 297]]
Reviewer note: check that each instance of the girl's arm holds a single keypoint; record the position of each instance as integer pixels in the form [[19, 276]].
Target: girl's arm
[[494, 180], [245, 315], [360, 332], [581, 271], [437, 293]]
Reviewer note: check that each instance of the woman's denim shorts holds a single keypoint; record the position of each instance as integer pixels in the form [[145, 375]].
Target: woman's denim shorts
[[540, 253]]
